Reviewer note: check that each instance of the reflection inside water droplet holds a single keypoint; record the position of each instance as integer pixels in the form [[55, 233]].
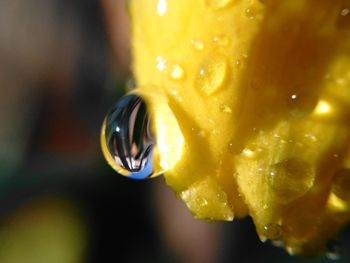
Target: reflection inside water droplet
[[127, 142]]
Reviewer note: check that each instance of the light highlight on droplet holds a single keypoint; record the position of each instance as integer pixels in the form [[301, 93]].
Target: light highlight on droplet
[[160, 63], [162, 7], [323, 107]]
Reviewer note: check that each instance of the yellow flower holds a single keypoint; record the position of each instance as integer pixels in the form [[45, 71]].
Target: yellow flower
[[250, 107]]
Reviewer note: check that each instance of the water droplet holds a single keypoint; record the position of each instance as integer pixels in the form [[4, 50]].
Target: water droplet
[[217, 4], [162, 7], [323, 108], [126, 139], [333, 250], [341, 82], [212, 74], [220, 40], [201, 201], [311, 137], [205, 195], [273, 231], [230, 147], [250, 13], [248, 153], [301, 105], [341, 184], [238, 62], [294, 96], [290, 179], [177, 72], [345, 12], [198, 132], [291, 250], [176, 95], [160, 63], [225, 108], [199, 45], [344, 18]]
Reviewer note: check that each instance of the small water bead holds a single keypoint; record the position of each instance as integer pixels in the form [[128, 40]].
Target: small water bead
[[345, 12], [290, 179], [225, 108], [206, 199], [198, 132], [273, 231], [177, 72], [199, 45], [218, 4], [323, 108], [231, 148], [294, 96], [250, 13], [311, 137], [176, 95], [341, 184], [344, 18], [126, 139], [220, 40], [160, 63], [341, 82], [335, 155], [301, 105], [212, 74]]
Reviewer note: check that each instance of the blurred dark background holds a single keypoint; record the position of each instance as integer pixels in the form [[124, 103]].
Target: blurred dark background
[[63, 64]]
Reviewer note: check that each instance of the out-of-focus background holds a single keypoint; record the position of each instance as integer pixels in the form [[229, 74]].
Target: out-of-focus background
[[63, 64]]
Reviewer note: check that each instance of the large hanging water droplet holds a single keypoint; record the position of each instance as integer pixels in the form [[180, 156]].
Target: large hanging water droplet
[[126, 139]]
